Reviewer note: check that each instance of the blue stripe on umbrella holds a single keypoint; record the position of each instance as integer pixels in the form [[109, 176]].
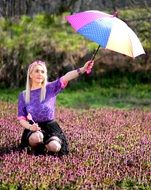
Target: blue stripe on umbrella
[[98, 31]]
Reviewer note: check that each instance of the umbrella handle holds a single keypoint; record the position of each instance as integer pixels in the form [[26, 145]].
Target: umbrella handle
[[94, 54], [88, 70]]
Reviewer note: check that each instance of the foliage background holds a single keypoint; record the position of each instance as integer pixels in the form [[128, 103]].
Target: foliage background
[[26, 36]]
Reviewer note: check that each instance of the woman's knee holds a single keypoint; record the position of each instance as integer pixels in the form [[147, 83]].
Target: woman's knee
[[36, 138], [54, 145]]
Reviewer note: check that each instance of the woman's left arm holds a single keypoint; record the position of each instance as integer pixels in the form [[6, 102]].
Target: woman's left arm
[[75, 73]]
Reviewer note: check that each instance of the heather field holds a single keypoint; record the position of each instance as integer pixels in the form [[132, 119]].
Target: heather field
[[109, 149]]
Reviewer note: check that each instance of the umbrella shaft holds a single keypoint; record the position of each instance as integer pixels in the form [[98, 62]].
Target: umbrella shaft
[[94, 54]]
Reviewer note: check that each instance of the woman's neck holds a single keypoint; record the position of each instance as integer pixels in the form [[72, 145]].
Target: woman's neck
[[36, 86]]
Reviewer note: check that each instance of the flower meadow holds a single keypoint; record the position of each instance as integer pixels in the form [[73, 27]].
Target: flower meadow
[[109, 149]]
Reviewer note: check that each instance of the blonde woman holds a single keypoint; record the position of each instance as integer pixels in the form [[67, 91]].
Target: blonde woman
[[36, 109]]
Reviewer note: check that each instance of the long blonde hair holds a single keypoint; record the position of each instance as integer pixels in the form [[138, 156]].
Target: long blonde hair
[[28, 81]]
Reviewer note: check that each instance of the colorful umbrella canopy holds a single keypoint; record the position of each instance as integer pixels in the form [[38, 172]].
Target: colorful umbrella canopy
[[108, 31]]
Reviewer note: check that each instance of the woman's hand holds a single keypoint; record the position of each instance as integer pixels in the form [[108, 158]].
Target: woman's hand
[[34, 127], [87, 67]]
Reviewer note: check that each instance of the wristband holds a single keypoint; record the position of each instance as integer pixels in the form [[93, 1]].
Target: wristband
[[79, 71]]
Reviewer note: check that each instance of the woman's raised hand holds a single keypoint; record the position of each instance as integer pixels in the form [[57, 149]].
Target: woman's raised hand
[[88, 66]]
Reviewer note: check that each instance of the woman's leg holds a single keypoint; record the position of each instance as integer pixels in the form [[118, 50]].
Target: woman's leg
[[35, 138], [54, 144], [54, 138]]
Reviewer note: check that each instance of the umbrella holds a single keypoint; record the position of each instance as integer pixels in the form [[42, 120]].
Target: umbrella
[[108, 31]]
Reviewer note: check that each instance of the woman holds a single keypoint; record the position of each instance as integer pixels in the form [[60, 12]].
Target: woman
[[36, 109]]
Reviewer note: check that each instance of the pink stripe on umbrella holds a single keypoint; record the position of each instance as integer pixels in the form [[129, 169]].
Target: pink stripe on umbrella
[[78, 20]]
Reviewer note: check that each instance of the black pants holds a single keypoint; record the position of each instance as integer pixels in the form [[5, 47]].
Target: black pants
[[49, 129]]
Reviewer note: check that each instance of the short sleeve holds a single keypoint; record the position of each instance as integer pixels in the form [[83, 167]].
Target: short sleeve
[[22, 113], [56, 86]]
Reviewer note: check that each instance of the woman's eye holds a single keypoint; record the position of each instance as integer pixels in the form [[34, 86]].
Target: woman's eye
[[39, 71]]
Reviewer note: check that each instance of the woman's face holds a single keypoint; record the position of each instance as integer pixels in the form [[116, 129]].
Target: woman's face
[[38, 74]]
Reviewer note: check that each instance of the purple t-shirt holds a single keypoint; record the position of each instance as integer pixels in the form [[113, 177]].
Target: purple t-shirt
[[40, 111]]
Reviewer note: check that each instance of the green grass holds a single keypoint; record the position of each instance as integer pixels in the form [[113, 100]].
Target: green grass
[[96, 96], [85, 96], [129, 184], [9, 95]]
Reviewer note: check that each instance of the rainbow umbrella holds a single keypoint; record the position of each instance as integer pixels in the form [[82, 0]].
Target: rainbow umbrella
[[108, 31]]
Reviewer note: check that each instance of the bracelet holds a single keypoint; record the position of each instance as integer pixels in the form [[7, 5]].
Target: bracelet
[[79, 71]]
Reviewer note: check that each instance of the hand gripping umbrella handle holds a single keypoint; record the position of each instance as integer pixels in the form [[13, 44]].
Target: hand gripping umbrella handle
[[88, 71]]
